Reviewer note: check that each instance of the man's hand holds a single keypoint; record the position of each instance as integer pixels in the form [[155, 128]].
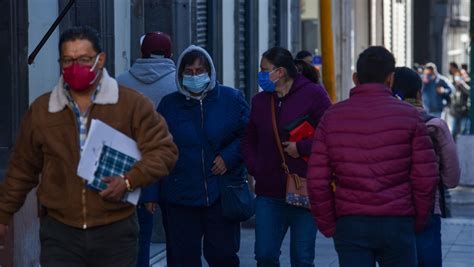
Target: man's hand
[[440, 90], [3, 233], [291, 149], [151, 207], [115, 190], [219, 167]]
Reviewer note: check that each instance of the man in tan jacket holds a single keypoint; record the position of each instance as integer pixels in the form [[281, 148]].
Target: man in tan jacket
[[84, 227]]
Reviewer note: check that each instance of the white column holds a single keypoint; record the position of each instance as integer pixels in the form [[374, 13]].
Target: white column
[[44, 72], [228, 43], [344, 46], [409, 32], [122, 36], [262, 27]]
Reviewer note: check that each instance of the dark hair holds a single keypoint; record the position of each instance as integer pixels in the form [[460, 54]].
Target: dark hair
[[374, 65], [302, 54], [464, 66], [454, 65], [431, 66], [281, 58], [191, 57], [406, 83], [307, 70], [81, 33]]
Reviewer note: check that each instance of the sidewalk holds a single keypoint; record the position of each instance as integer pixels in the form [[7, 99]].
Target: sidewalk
[[457, 238]]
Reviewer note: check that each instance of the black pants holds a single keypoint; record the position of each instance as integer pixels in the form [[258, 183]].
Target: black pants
[[109, 245], [190, 230]]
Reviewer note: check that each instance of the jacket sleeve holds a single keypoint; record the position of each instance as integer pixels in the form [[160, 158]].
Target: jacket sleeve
[[319, 181], [159, 153], [424, 175], [320, 105], [249, 143], [231, 154], [447, 85], [23, 172], [450, 171]]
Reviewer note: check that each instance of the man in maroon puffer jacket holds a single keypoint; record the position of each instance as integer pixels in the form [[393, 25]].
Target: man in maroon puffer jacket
[[377, 151]]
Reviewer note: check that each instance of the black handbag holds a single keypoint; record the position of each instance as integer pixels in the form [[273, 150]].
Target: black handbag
[[238, 203]]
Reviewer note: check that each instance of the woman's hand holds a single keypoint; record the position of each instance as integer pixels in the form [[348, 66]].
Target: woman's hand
[[291, 149], [219, 167]]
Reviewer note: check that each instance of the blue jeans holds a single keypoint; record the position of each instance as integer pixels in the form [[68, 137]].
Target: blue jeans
[[428, 244], [363, 240], [461, 125], [145, 221], [273, 218]]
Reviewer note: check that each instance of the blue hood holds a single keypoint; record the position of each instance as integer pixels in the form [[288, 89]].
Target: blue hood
[[150, 70]]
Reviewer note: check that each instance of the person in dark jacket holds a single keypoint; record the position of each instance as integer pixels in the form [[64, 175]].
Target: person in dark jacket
[[154, 76], [436, 90], [377, 152], [305, 55], [295, 97], [308, 70], [460, 102], [207, 121]]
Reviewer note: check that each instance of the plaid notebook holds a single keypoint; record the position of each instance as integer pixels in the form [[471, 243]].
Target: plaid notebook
[[111, 163]]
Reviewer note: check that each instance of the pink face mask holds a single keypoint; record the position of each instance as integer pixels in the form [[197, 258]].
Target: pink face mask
[[79, 77]]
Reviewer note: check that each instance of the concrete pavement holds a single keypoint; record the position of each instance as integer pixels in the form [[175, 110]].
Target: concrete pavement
[[457, 239]]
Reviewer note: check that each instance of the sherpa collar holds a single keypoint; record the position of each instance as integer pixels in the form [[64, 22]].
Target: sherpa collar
[[108, 93]]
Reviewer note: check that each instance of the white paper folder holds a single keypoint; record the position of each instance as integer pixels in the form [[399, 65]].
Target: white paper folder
[[99, 136]]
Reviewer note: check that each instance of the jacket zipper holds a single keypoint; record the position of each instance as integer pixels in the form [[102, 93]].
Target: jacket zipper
[[202, 155], [83, 193]]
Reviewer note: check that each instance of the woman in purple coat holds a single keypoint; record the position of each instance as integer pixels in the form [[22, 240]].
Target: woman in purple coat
[[296, 99]]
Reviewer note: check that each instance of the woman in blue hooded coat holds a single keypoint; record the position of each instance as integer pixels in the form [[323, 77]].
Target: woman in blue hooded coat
[[207, 121]]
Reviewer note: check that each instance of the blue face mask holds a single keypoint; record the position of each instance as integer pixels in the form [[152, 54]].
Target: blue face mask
[[196, 83], [265, 83]]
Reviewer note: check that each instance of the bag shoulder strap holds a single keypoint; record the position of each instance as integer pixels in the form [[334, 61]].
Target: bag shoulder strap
[[277, 136]]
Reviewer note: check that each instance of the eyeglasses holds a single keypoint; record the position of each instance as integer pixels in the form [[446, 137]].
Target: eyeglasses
[[83, 61]]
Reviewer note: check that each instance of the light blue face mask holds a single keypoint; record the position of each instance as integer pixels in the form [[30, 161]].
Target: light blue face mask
[[196, 83]]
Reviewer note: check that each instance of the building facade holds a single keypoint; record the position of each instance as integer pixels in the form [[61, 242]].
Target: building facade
[[235, 32]]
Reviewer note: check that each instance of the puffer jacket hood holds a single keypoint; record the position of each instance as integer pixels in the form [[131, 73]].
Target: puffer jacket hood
[[212, 74]]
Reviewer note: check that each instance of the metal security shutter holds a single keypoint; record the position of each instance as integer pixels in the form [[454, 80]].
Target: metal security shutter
[[246, 39], [240, 45], [14, 74], [273, 23], [214, 34], [201, 23], [13, 99], [278, 16]]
